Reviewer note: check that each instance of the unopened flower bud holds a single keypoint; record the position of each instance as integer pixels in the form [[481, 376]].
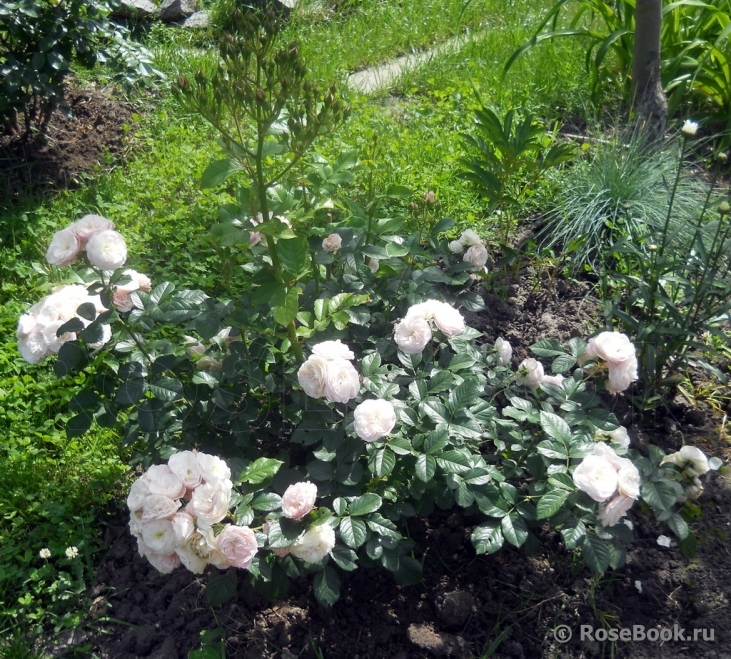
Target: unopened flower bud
[[724, 208], [430, 197]]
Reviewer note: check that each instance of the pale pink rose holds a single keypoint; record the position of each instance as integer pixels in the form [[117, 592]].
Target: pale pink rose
[[530, 373], [619, 437], [332, 243], [628, 481], [299, 499], [343, 382], [135, 523], [611, 512], [210, 502], [159, 536], [373, 264], [138, 492], [213, 468], [184, 465], [194, 554], [184, 526], [553, 379], [314, 544], [64, 248], [53, 341], [254, 238], [504, 351], [456, 247], [476, 255], [333, 350], [159, 506], [312, 376], [163, 480], [425, 310], [621, 376], [122, 301], [238, 545], [448, 319], [26, 324], [122, 298], [106, 250], [195, 347], [374, 419], [597, 477], [142, 548], [613, 347], [412, 335], [610, 455], [88, 225], [164, 563]]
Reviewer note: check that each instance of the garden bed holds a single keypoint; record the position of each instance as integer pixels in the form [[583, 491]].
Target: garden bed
[[506, 603]]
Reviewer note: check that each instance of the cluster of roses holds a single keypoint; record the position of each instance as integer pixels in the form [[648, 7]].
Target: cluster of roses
[[692, 463], [105, 249], [414, 332], [476, 253], [611, 480]]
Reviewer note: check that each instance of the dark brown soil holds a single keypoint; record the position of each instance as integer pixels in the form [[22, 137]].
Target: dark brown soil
[[89, 139], [505, 605]]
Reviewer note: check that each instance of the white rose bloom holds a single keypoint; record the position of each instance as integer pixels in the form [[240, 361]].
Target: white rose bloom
[[343, 382], [412, 335], [504, 351], [695, 459], [213, 468], [530, 373], [609, 454], [373, 264], [107, 250], [298, 500], [312, 376], [476, 255], [456, 247], [194, 554], [619, 437], [694, 490], [690, 128], [159, 536], [210, 502], [611, 512], [184, 465], [332, 243], [448, 319], [621, 376], [54, 342], [374, 419], [163, 480], [138, 492], [552, 379], [33, 347], [315, 544], [158, 506], [88, 225], [628, 481], [254, 238], [425, 310], [26, 324], [195, 347], [612, 347], [184, 527], [64, 248], [333, 350], [469, 237], [164, 563], [236, 545], [597, 477], [135, 523]]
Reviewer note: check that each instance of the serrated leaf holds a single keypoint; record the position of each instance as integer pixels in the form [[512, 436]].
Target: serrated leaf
[[595, 553], [167, 389], [382, 462], [453, 462], [573, 533], [218, 171], [353, 531], [547, 348], [514, 529], [554, 426], [550, 503], [345, 558], [221, 588], [266, 501], [562, 363], [260, 470], [679, 526], [283, 532], [130, 391], [326, 586], [435, 441], [660, 495], [285, 313], [365, 504], [426, 466], [382, 526], [78, 425], [487, 538]]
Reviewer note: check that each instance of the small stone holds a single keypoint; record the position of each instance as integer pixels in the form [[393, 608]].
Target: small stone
[[198, 20], [135, 9], [173, 10], [439, 644]]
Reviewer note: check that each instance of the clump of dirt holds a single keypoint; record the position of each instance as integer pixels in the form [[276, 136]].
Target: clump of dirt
[[89, 135]]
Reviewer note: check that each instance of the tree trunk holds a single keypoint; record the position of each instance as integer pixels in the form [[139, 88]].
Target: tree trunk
[[648, 99]]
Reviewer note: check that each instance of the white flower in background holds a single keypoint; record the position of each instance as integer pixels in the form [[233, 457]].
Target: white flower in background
[[504, 351], [299, 499], [617, 351], [689, 458], [71, 552], [530, 373], [469, 237], [456, 247], [312, 376], [611, 512], [412, 335], [237, 545], [343, 382], [164, 563], [597, 477], [374, 419], [213, 468], [552, 379], [619, 437], [195, 347], [333, 350], [628, 481], [373, 264], [45, 553], [690, 128], [139, 491], [88, 225], [476, 255], [315, 544], [107, 250], [163, 480], [159, 536], [448, 319], [183, 526], [185, 466], [695, 489], [158, 506], [64, 248], [332, 243], [423, 310]]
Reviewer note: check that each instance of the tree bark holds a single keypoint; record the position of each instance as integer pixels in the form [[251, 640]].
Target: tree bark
[[648, 99]]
